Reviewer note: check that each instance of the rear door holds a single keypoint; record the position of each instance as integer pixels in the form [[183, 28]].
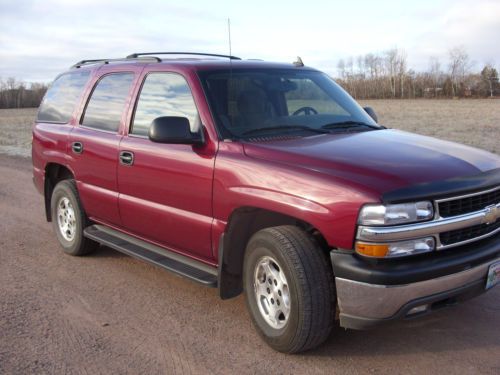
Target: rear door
[[166, 189], [94, 143]]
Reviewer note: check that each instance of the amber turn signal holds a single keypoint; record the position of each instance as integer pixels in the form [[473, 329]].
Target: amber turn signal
[[372, 250]]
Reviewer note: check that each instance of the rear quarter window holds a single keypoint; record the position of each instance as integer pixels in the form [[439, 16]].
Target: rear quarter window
[[61, 98]]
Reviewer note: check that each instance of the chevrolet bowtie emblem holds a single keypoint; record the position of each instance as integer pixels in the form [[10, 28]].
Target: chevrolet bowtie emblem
[[492, 213]]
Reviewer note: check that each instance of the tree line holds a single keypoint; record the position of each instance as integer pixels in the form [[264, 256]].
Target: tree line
[[18, 94], [384, 75], [387, 75]]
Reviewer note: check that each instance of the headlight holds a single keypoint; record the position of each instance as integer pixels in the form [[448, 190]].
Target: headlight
[[396, 249], [392, 214]]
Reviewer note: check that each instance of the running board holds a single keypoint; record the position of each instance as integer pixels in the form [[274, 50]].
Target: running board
[[173, 262]]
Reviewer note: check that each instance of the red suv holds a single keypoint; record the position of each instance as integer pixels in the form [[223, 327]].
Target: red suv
[[269, 179]]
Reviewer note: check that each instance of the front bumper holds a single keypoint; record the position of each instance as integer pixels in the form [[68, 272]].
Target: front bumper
[[369, 293]]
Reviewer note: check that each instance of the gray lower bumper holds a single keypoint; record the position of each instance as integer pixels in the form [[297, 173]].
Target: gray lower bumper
[[363, 305]]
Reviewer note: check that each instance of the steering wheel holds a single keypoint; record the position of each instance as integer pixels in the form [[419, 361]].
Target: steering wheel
[[307, 111]]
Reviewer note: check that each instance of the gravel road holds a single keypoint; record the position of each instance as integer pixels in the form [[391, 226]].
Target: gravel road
[[108, 313]]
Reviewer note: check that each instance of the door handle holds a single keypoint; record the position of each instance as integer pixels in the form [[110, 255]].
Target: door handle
[[126, 157], [77, 147]]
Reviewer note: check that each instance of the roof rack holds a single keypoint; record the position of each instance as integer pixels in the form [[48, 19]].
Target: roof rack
[[135, 55], [81, 63]]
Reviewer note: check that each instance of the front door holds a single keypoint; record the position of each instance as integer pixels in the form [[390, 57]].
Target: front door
[[166, 189]]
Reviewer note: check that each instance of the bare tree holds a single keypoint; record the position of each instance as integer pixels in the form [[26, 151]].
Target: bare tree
[[459, 66], [17, 94], [435, 73], [401, 69], [391, 65], [341, 68]]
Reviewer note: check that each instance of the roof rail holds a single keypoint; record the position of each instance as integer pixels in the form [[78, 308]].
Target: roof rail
[[81, 63], [135, 55]]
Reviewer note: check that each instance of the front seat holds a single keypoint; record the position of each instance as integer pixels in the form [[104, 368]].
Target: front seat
[[254, 109]]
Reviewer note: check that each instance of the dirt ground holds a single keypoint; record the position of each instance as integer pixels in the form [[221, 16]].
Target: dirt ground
[[109, 313]]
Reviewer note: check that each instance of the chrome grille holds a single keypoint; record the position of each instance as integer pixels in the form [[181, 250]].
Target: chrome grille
[[467, 234], [470, 203]]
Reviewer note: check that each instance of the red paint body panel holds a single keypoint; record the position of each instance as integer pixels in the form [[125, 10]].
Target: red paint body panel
[[330, 205], [167, 194], [382, 160], [50, 143], [95, 172]]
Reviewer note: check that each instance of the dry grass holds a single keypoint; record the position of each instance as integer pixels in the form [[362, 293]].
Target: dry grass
[[472, 122], [15, 131], [475, 122]]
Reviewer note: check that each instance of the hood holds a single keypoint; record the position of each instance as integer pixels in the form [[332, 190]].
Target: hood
[[383, 160]]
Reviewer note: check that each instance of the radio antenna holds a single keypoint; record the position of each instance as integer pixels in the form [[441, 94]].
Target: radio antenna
[[229, 35], [229, 83]]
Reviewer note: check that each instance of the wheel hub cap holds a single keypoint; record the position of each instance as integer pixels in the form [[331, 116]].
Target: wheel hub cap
[[66, 219], [272, 292]]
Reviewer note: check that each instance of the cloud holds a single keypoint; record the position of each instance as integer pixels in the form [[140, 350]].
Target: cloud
[[474, 27], [39, 39], [36, 45]]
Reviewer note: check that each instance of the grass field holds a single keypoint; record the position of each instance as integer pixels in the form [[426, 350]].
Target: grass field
[[15, 131], [475, 122]]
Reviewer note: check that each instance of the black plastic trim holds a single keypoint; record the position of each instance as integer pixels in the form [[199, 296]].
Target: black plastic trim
[[423, 267], [176, 263], [230, 285], [445, 188]]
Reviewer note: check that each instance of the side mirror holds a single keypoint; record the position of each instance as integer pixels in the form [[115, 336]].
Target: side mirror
[[371, 113], [173, 129]]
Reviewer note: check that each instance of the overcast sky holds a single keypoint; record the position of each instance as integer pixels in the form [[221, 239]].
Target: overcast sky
[[39, 39]]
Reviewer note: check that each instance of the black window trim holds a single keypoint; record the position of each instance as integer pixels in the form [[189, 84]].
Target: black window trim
[[138, 96], [76, 103], [82, 115]]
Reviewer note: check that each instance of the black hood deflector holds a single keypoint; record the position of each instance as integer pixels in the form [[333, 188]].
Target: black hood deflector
[[444, 188]]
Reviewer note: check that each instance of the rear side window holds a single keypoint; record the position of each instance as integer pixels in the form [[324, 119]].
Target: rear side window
[[61, 98], [105, 108], [164, 94]]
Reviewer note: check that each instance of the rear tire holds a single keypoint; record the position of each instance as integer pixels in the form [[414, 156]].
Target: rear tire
[[289, 289], [69, 219]]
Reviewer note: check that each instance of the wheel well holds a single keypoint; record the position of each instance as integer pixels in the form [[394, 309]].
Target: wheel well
[[53, 174], [243, 224]]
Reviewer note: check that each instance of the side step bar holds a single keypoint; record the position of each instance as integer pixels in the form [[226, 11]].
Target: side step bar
[[156, 255]]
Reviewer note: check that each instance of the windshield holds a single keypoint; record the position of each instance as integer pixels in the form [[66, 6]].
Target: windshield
[[247, 103]]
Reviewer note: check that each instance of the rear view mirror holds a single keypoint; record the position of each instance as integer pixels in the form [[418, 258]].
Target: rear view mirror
[[371, 113], [173, 129]]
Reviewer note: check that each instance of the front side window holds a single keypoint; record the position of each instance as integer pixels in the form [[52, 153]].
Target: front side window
[[62, 96], [260, 101], [164, 94], [107, 103]]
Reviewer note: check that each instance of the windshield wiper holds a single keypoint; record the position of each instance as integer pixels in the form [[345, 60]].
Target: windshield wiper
[[349, 124], [284, 127]]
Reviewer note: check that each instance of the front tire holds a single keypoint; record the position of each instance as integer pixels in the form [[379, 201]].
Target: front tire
[[69, 219], [289, 289]]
